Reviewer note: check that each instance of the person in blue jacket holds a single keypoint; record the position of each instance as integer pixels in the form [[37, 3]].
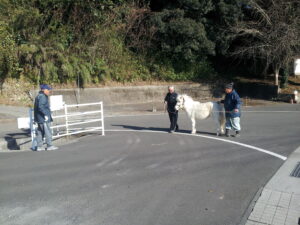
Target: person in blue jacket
[[232, 105], [43, 118]]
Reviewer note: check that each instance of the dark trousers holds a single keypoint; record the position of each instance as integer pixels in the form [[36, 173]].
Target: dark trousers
[[173, 120]]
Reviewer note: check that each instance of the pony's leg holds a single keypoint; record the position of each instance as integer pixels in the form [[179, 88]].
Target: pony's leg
[[193, 125]]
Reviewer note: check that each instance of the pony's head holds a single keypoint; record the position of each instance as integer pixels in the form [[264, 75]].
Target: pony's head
[[180, 102]]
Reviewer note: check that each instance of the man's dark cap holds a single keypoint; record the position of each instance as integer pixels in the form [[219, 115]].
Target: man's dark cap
[[45, 86], [229, 86]]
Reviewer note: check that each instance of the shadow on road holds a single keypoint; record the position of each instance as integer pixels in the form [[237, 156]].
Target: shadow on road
[[294, 83], [15, 140], [129, 127]]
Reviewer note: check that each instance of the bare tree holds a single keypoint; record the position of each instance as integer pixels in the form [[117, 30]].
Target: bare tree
[[269, 33], [139, 33]]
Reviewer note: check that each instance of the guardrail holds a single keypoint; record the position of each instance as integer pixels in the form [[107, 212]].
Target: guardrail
[[71, 120]]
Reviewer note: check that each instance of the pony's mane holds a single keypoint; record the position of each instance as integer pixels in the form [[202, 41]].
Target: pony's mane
[[187, 97]]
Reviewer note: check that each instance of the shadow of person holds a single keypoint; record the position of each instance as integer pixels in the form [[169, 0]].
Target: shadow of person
[[15, 140]]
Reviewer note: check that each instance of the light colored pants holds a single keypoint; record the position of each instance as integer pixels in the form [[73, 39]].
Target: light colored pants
[[233, 123], [44, 131]]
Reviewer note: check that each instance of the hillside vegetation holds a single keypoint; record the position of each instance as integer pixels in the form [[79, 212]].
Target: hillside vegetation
[[98, 41]]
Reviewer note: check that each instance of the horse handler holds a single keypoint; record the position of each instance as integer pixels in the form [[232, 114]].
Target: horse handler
[[42, 116], [170, 103], [232, 105]]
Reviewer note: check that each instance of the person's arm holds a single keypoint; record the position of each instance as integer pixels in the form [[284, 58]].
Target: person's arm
[[222, 101], [42, 105], [238, 102], [165, 103]]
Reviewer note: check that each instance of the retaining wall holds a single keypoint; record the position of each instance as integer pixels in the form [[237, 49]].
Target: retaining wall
[[149, 94], [135, 94]]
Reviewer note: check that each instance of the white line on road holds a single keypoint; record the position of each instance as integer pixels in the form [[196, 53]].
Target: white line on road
[[212, 138]]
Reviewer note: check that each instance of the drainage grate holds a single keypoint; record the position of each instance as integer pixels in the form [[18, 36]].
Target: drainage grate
[[296, 171]]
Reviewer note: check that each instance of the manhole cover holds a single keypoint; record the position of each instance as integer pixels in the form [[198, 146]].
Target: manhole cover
[[296, 171]]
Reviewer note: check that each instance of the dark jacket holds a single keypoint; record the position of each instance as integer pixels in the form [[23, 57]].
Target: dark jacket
[[232, 101], [171, 100], [42, 108]]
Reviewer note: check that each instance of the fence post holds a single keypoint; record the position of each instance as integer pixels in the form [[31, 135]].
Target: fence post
[[66, 117], [32, 130], [102, 118]]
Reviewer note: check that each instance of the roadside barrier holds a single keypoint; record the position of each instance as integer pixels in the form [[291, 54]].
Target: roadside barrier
[[73, 121]]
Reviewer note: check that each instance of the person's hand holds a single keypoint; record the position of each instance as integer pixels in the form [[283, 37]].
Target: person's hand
[[236, 110], [46, 118]]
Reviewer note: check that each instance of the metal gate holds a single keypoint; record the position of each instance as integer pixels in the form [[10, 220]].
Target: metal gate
[[73, 120]]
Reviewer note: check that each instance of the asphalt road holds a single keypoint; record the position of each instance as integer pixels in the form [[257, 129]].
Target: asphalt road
[[138, 174]]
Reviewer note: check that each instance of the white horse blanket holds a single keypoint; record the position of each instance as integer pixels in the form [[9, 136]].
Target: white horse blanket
[[196, 110]]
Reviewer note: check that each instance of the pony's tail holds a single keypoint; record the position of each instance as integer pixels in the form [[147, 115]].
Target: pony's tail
[[222, 118]]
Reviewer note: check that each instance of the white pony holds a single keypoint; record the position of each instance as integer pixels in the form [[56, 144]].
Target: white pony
[[196, 110]]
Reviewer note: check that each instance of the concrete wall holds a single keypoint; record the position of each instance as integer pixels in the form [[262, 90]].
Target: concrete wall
[[155, 94], [135, 94]]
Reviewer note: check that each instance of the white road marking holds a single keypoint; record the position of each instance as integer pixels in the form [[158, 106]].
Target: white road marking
[[117, 161], [123, 173], [102, 163], [153, 166], [129, 141], [212, 138], [182, 143], [106, 186], [159, 144]]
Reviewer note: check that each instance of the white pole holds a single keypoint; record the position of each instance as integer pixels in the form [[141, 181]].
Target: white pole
[[66, 116], [78, 89], [102, 118], [31, 124], [32, 130]]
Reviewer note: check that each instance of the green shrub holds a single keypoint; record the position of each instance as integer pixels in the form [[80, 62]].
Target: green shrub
[[9, 66]]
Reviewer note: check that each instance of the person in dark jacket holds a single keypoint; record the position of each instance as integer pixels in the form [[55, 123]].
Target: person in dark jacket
[[170, 103], [232, 105], [43, 118]]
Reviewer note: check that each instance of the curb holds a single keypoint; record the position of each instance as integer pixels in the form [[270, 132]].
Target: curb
[[256, 199], [250, 208]]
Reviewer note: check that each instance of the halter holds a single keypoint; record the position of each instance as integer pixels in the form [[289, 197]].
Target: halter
[[181, 105]]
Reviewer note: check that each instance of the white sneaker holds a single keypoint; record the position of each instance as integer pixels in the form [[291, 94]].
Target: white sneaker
[[39, 149], [51, 148]]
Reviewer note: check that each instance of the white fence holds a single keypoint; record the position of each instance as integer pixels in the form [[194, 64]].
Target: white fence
[[73, 121]]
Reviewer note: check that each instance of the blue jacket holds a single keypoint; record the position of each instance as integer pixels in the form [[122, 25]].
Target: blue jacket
[[42, 108], [232, 101]]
